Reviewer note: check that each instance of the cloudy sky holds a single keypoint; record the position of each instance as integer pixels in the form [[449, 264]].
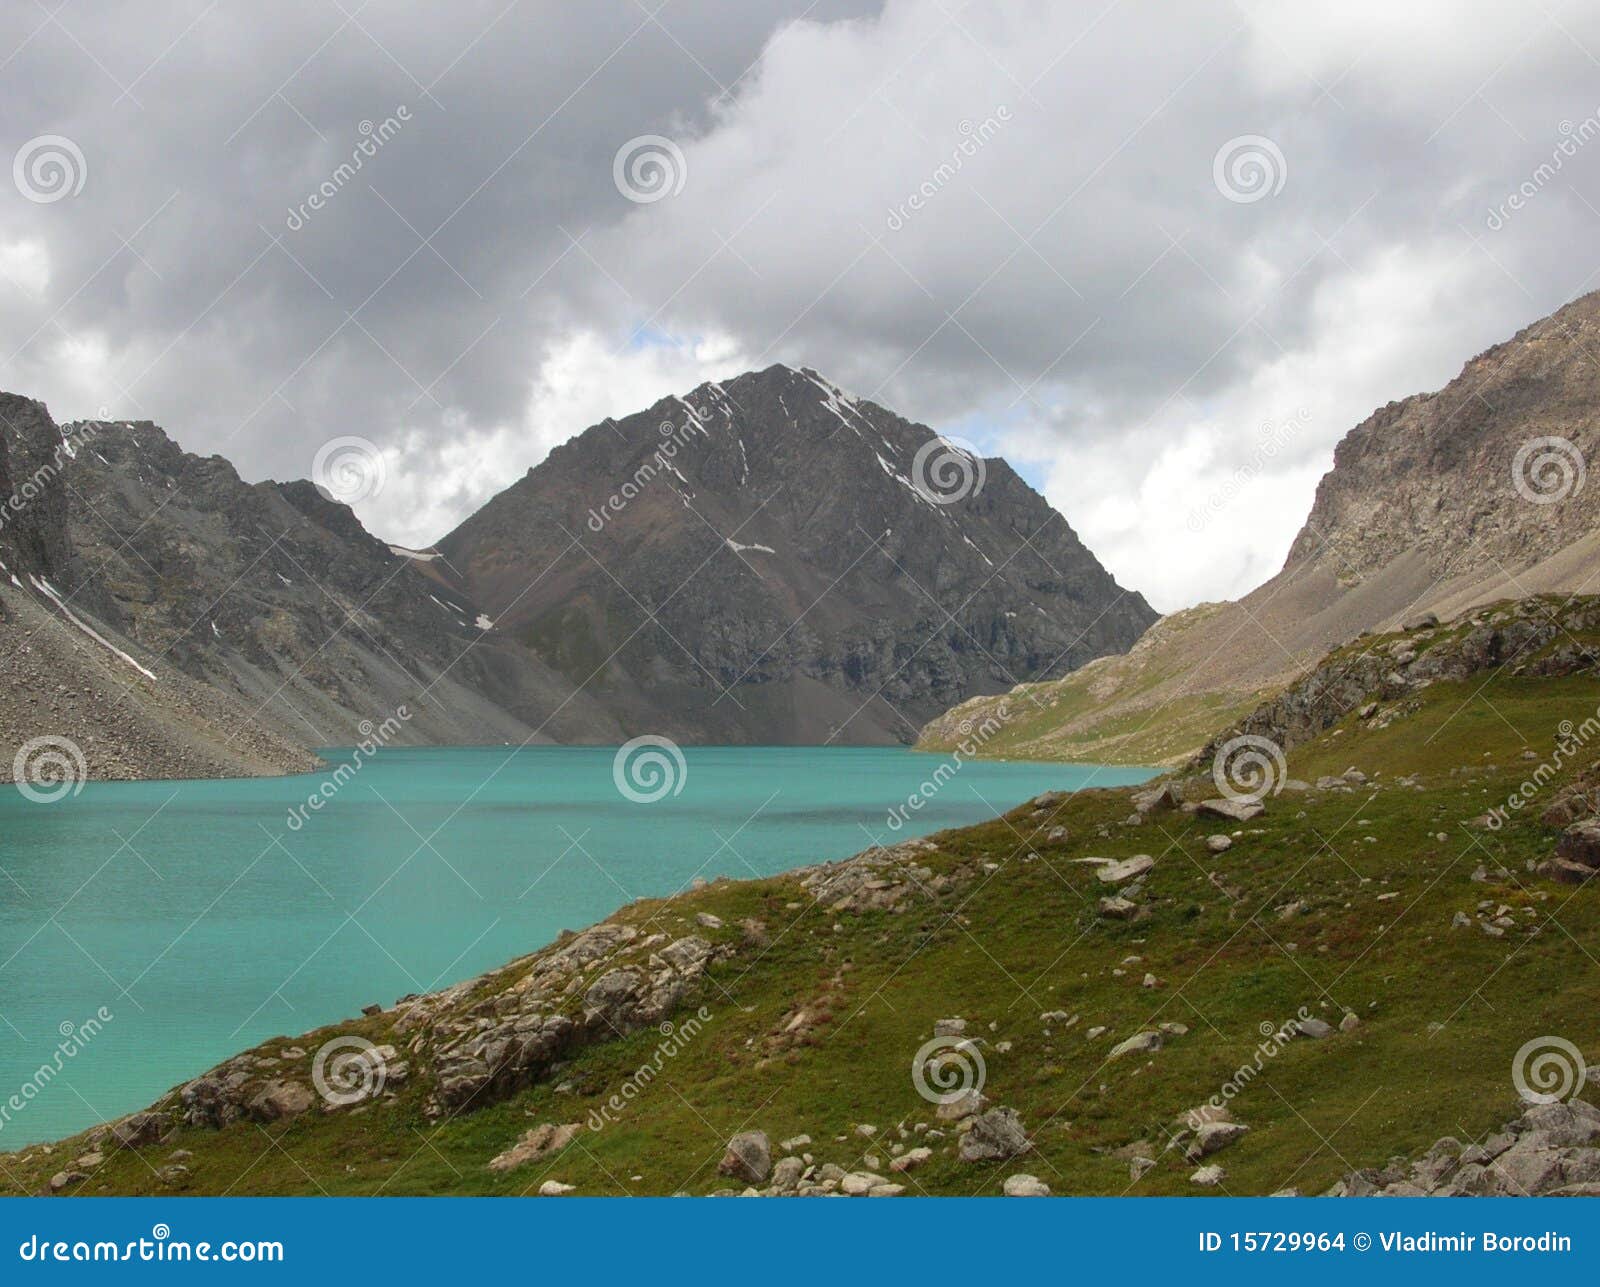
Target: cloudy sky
[[1161, 257]]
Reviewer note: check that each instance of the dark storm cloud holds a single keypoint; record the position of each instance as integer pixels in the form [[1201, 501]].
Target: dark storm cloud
[[1003, 218]]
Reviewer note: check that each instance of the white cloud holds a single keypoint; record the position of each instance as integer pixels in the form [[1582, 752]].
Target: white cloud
[[433, 483]]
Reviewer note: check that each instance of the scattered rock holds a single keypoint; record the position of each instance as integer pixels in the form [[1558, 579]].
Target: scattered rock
[[1232, 810], [994, 1136], [278, 1100], [749, 1157], [1025, 1186], [139, 1130], [554, 1189], [1219, 844], [1138, 1044], [1208, 1176], [786, 1174], [967, 1104], [1114, 873], [1212, 1137], [541, 1141], [1164, 796]]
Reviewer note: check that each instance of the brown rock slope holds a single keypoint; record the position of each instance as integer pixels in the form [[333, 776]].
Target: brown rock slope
[[1439, 503]]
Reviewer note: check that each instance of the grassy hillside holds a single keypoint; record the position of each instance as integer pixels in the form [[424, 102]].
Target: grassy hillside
[[1339, 901]]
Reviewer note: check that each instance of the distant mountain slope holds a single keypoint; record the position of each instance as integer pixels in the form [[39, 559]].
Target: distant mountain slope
[[771, 560], [277, 595], [1438, 503], [76, 696]]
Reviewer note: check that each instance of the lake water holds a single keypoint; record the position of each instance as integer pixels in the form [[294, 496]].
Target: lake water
[[202, 922]]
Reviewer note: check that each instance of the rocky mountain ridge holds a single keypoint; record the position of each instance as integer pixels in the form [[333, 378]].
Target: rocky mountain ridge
[[1440, 503], [771, 559], [811, 589]]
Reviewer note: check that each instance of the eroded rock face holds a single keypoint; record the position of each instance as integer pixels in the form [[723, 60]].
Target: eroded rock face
[[1552, 1149], [484, 1051], [878, 880], [1516, 637], [1580, 843]]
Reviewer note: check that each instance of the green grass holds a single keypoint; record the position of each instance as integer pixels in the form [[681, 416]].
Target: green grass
[[1442, 1010]]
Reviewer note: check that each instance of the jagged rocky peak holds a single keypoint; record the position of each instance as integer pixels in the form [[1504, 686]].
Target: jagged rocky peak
[[770, 558], [34, 455], [1491, 467]]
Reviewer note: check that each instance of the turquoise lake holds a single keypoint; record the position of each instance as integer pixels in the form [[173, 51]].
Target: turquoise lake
[[203, 923]]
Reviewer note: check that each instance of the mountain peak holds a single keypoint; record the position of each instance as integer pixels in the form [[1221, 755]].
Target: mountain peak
[[768, 557]]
